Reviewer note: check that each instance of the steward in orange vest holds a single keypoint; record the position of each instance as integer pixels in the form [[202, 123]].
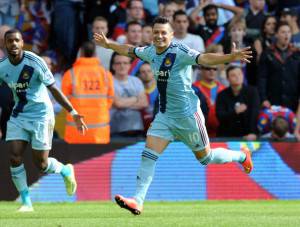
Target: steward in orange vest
[[90, 89]]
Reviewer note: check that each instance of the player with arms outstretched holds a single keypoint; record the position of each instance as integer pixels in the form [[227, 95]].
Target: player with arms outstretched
[[179, 108], [32, 119]]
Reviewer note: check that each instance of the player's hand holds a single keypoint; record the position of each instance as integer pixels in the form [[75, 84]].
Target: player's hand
[[241, 108], [101, 40], [81, 126], [1, 134], [244, 54]]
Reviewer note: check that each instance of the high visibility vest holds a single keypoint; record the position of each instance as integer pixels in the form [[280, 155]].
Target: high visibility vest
[[89, 88]]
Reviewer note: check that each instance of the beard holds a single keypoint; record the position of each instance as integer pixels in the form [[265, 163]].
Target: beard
[[212, 23]]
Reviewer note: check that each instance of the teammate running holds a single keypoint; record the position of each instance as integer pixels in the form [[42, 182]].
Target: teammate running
[[32, 119]]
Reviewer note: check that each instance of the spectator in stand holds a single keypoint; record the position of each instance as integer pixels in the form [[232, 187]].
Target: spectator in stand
[[168, 9], [267, 36], [254, 16], [237, 107], [279, 130], [134, 37], [147, 35], [3, 29], [279, 71], [90, 89], [147, 77], [267, 116], [221, 72], [133, 34], [211, 32], [210, 88], [181, 35], [223, 15], [237, 33], [291, 17], [9, 10], [129, 100], [35, 25], [134, 12], [95, 9], [100, 24], [67, 29]]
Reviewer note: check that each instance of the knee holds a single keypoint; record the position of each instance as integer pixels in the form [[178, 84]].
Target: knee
[[15, 160]]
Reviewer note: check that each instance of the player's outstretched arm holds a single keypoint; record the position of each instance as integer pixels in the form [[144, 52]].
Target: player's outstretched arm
[[244, 55], [123, 49], [65, 103]]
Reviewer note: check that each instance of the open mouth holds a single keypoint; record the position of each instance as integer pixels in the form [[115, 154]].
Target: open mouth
[[159, 41]]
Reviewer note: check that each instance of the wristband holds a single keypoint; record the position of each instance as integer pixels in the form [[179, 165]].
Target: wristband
[[73, 112]]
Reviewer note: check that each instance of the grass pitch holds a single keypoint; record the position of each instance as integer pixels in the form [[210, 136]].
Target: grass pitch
[[158, 214]]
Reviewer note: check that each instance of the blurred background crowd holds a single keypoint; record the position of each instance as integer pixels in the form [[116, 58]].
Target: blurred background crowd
[[118, 95]]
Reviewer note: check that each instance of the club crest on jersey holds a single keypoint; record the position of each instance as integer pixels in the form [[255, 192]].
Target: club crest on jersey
[[168, 62], [25, 75]]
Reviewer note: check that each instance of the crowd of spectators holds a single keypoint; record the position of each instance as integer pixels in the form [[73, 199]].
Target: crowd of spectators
[[238, 100]]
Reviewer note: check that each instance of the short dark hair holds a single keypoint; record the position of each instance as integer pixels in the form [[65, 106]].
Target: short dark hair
[[12, 31], [139, 70], [144, 63], [281, 24], [230, 68], [280, 126], [88, 49], [161, 20], [129, 3], [134, 22], [209, 7], [179, 13], [112, 61]]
